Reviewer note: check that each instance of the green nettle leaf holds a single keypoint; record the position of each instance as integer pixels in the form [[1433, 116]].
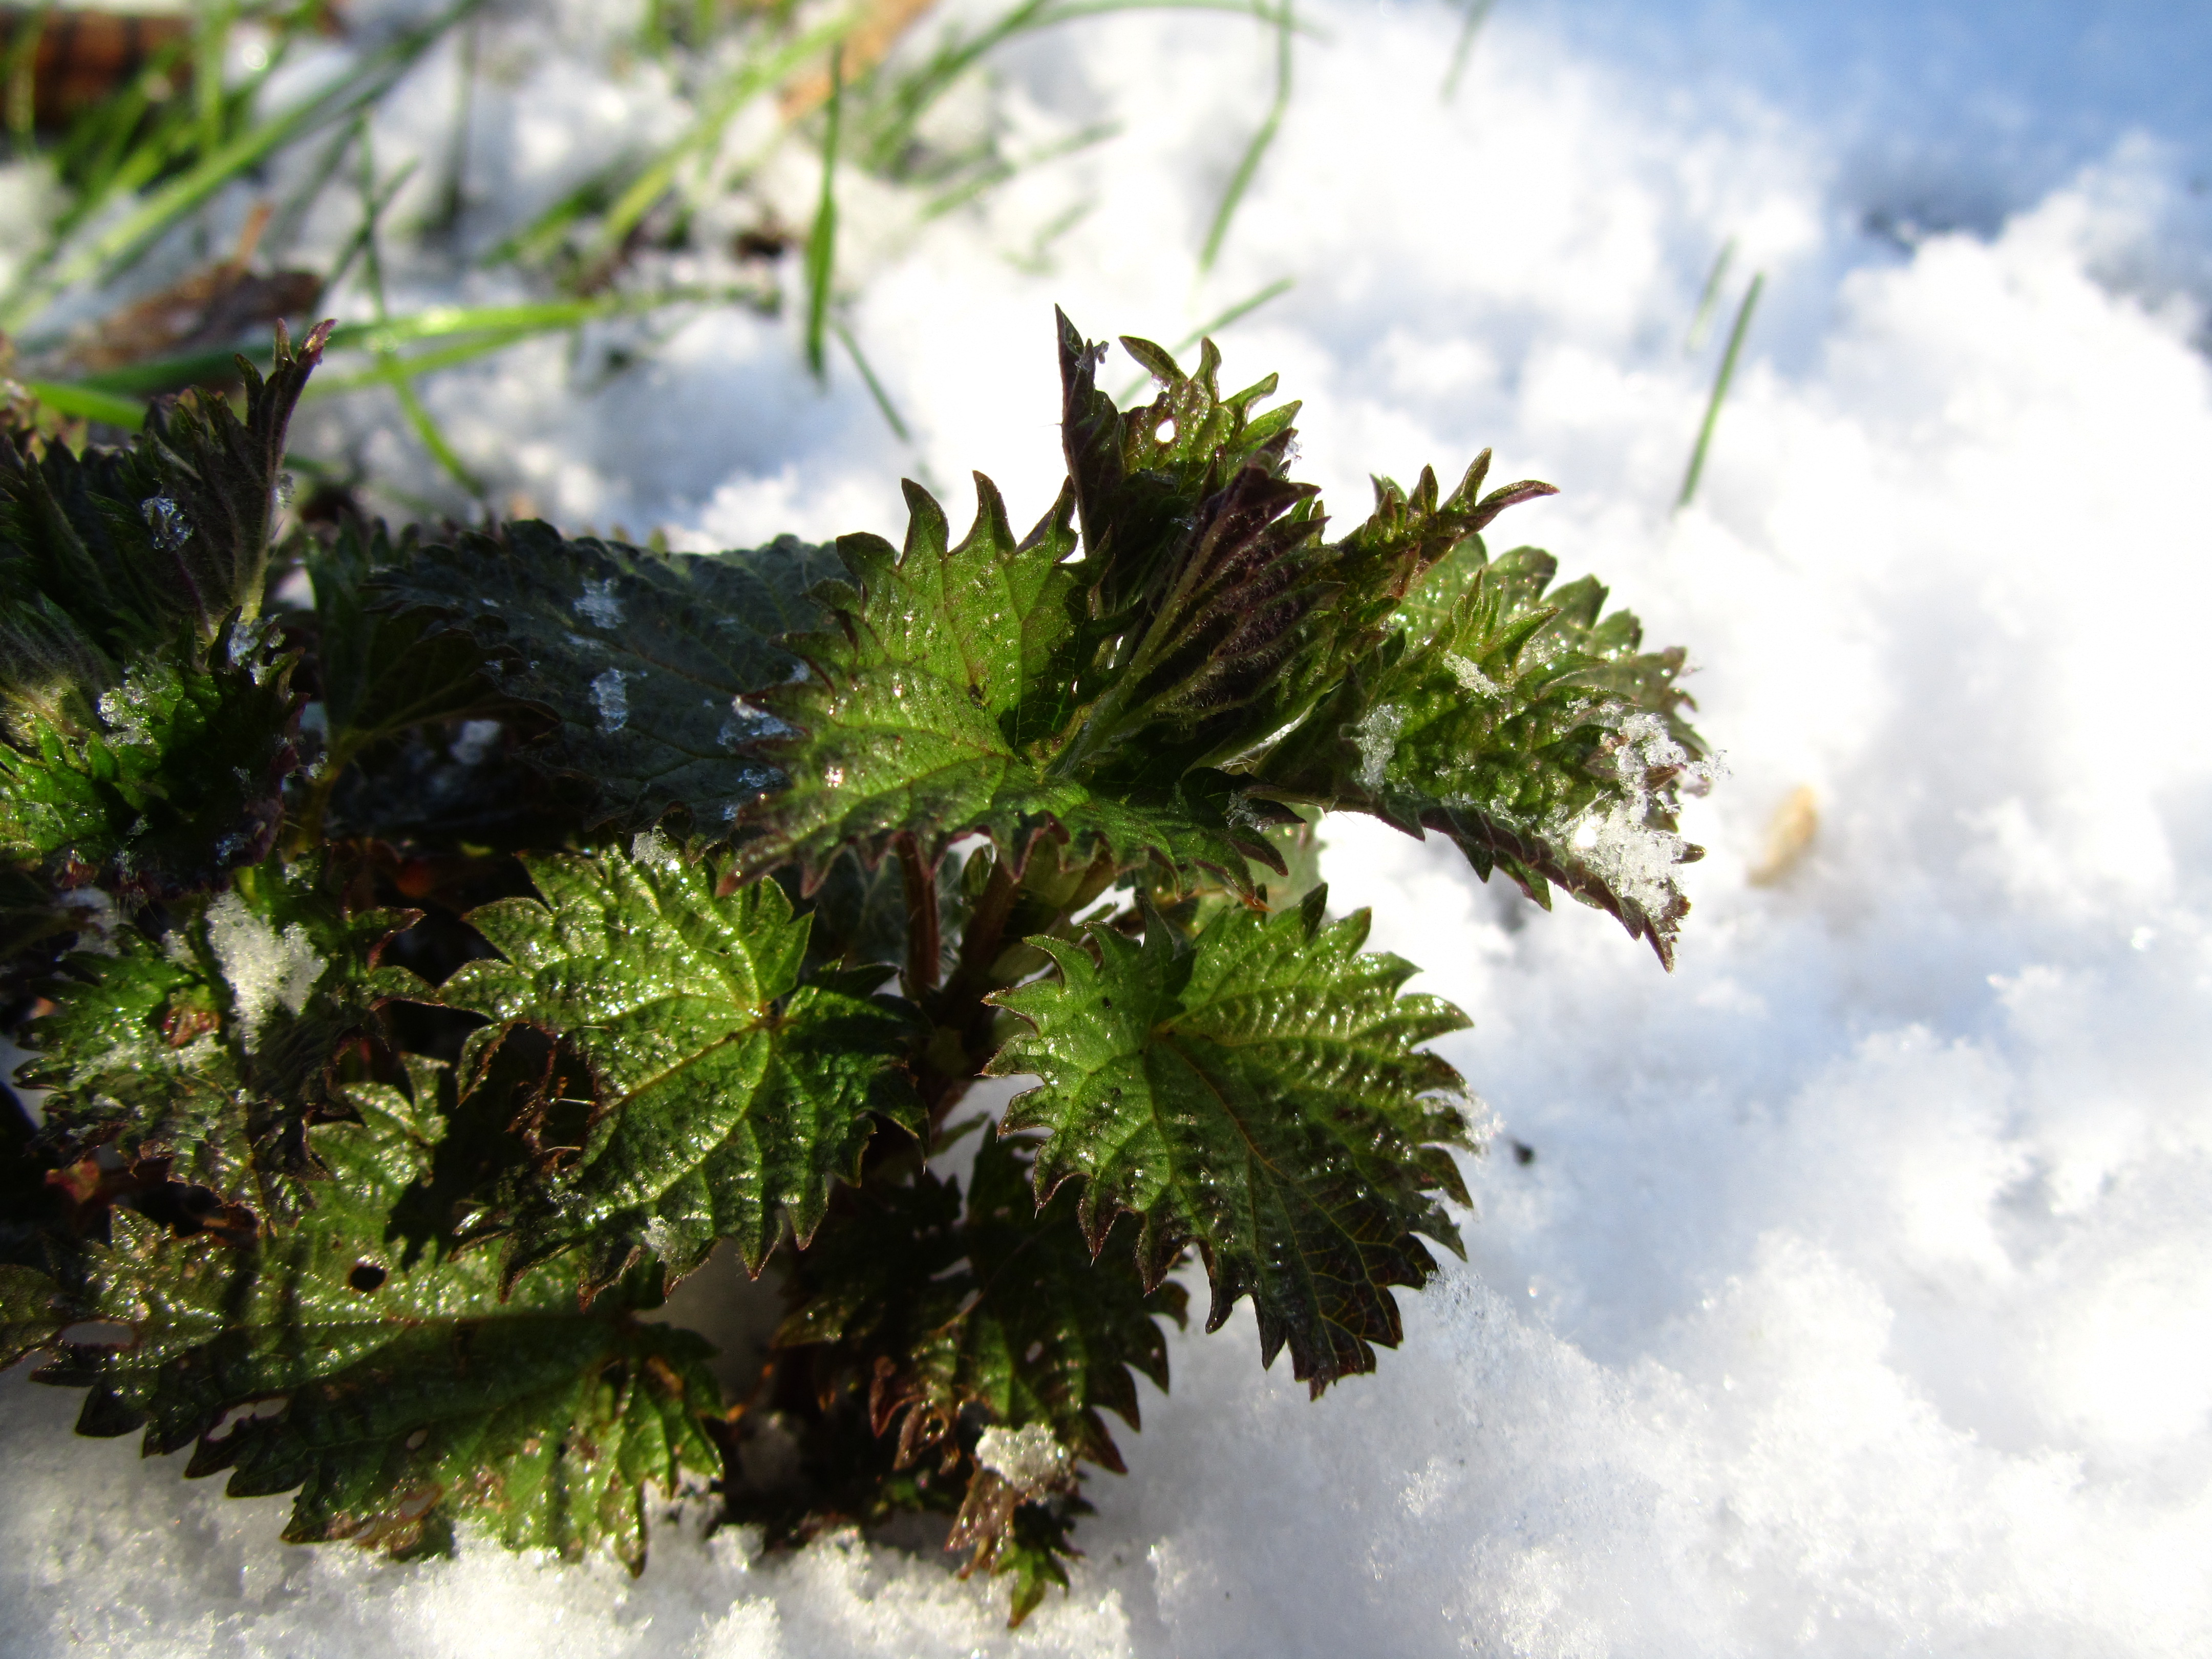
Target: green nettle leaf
[[1533, 731], [939, 702], [399, 1398], [726, 1093], [647, 659], [209, 1051], [170, 775], [145, 713], [1256, 1092]]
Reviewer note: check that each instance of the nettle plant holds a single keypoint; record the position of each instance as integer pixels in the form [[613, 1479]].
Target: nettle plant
[[436, 946]]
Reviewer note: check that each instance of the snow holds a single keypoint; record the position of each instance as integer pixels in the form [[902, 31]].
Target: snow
[[265, 968], [1858, 1297], [1029, 1458]]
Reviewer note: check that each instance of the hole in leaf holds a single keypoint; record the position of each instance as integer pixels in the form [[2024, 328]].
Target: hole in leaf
[[1164, 433], [366, 1276], [415, 1440]]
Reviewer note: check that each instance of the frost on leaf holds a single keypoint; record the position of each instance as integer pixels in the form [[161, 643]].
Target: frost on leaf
[[1256, 1092], [642, 658], [727, 1094], [398, 1396]]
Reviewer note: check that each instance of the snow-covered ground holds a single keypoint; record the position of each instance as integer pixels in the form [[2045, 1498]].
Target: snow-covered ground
[[1858, 1297]]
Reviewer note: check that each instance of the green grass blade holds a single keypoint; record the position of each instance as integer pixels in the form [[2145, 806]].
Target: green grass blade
[[87, 403], [357, 89], [821, 240], [1720, 390], [1260, 140], [753, 75], [999, 172], [890, 119], [1709, 301], [433, 438], [875, 386], [374, 202], [1477, 12]]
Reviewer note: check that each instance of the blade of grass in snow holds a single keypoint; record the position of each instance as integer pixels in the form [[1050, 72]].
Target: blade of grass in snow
[[1477, 10], [1709, 301], [821, 240], [1720, 390], [52, 271], [1251, 165], [426, 428], [1037, 262], [442, 219], [999, 172], [875, 386], [115, 395], [892, 117], [210, 47], [1281, 285], [753, 75]]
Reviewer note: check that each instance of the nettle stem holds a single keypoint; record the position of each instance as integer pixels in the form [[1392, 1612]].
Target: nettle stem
[[923, 945]]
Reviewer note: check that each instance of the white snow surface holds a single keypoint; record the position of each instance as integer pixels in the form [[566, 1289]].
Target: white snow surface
[[1858, 1297]]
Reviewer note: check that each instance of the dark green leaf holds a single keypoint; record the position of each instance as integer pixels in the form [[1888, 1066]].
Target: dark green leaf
[[1003, 1309], [383, 673], [33, 1312], [169, 536], [1000, 1316], [645, 659], [1256, 1092], [726, 1093], [155, 782]]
